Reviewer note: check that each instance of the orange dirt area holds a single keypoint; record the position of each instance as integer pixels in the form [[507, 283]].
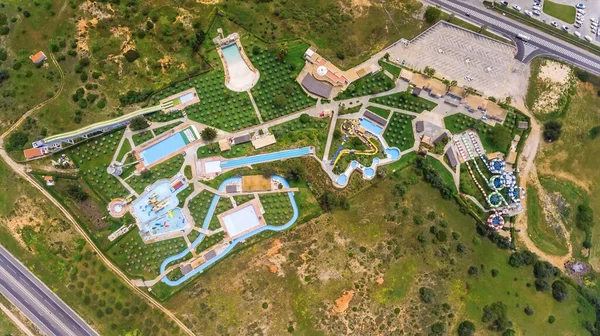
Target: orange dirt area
[[25, 212], [342, 303], [379, 281], [275, 247], [165, 63]]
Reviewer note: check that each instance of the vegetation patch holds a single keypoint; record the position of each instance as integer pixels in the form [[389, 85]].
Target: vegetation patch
[[399, 131], [405, 101]]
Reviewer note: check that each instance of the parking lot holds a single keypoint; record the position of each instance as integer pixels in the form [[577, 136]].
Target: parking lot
[[592, 10], [471, 59]]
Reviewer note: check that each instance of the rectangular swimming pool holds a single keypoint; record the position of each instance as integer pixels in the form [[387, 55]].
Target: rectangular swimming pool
[[163, 148], [371, 126]]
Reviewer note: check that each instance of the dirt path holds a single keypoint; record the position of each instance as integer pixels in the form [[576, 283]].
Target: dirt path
[[528, 174], [20, 170]]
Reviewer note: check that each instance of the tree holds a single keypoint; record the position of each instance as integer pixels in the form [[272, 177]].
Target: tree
[[4, 75], [439, 328], [76, 192], [282, 51], [131, 55], [585, 217], [268, 171], [304, 118], [145, 173], [429, 71], [426, 294], [552, 131], [466, 328], [544, 269], [138, 123], [499, 137], [559, 291], [528, 310], [432, 14], [473, 270], [519, 259], [495, 316], [256, 50], [453, 83], [296, 172], [16, 140], [197, 39], [509, 332], [482, 28], [541, 285], [279, 101], [208, 134], [288, 88]]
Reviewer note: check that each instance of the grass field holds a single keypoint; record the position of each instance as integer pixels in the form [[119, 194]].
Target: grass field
[[391, 68], [379, 111], [370, 84], [540, 232], [405, 101], [562, 12], [399, 131], [378, 235]]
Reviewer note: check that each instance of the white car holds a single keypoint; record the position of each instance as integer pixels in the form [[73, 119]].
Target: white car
[[554, 24], [528, 13], [517, 8], [581, 11], [594, 24], [537, 12], [579, 16], [594, 20], [565, 28], [578, 34], [579, 22], [536, 7], [587, 38]]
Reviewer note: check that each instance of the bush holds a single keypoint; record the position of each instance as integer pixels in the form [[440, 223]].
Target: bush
[[76, 192], [551, 319], [304, 118], [439, 328], [4, 75], [208, 134], [519, 259], [101, 104], [544, 269], [4, 30], [559, 291], [473, 270], [426, 294], [552, 131], [132, 97], [432, 14], [96, 74], [132, 55], [138, 123], [528, 310], [466, 328], [83, 76], [541, 285], [494, 315], [495, 272], [329, 201], [16, 140]]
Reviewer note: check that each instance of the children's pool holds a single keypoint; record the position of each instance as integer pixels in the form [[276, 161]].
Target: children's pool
[[371, 126], [250, 160], [369, 172], [164, 148], [342, 179], [173, 220], [155, 203], [392, 153]]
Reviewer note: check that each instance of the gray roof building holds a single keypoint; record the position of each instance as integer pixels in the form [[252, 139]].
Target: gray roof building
[[376, 118], [241, 139], [231, 188], [416, 91], [451, 158], [210, 254], [441, 137], [316, 87], [419, 126], [523, 125]]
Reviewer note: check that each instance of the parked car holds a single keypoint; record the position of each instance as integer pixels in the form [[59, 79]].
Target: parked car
[[505, 3], [594, 20], [580, 6], [536, 7], [577, 26], [594, 24], [528, 13], [537, 12], [565, 28], [578, 34], [581, 11], [580, 22], [588, 38], [554, 24], [517, 8]]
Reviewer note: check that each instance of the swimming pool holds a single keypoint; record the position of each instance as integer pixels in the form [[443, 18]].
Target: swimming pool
[[250, 160], [342, 179], [163, 148], [155, 203], [173, 220], [392, 153], [241, 77], [369, 172], [371, 126]]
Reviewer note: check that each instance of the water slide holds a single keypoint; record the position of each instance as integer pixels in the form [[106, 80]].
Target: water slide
[[99, 125]]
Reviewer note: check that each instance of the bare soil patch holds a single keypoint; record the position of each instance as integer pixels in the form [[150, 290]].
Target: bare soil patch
[[554, 78]]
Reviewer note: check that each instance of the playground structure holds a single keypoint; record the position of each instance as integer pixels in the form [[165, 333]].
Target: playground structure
[[495, 221], [351, 127], [118, 207]]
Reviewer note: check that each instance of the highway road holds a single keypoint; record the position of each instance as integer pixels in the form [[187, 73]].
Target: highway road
[[38, 302], [546, 44]]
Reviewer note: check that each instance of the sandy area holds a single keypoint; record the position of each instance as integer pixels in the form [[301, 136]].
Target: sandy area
[[342, 303], [554, 77], [25, 213]]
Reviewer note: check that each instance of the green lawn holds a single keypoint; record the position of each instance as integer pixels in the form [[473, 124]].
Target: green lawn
[[164, 170], [406, 101], [367, 85], [125, 148], [399, 131], [389, 67], [459, 122], [199, 205], [379, 111], [562, 12], [140, 138], [349, 109], [163, 129], [278, 209], [540, 232]]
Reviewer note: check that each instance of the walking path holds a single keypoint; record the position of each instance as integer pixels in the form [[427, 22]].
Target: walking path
[[260, 120]]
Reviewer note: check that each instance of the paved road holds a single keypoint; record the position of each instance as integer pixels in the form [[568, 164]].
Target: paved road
[[547, 44], [36, 301]]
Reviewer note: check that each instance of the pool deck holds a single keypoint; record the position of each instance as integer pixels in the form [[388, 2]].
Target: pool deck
[[141, 166], [258, 209], [236, 38]]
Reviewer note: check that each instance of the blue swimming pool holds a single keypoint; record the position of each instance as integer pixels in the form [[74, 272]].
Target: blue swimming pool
[[369, 172], [155, 203], [371, 126], [392, 153], [250, 160], [232, 54], [353, 164], [162, 149], [173, 220], [342, 179]]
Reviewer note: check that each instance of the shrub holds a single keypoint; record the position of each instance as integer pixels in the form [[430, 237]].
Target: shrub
[[131, 55], [494, 315], [76, 192], [519, 259], [304, 118], [4, 30], [439, 328], [4, 75], [208, 134], [495, 272], [16, 140], [551, 319], [528, 310], [101, 104], [541, 285], [559, 291], [552, 131], [473, 270], [138, 123], [426, 294], [466, 328], [83, 76], [432, 14], [544, 269]]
